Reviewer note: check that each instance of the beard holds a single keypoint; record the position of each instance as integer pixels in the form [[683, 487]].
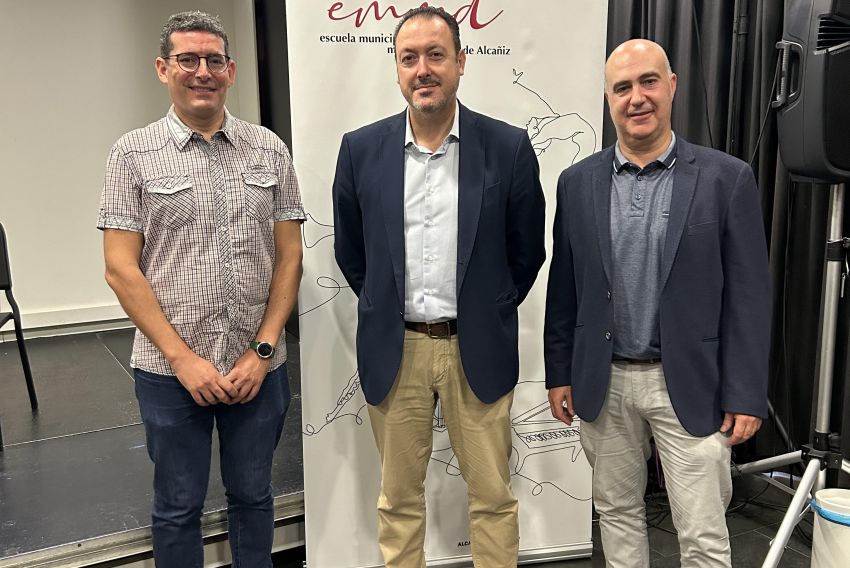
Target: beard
[[437, 102], [430, 106]]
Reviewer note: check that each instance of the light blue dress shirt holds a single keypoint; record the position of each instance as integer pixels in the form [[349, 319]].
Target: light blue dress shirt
[[430, 227]]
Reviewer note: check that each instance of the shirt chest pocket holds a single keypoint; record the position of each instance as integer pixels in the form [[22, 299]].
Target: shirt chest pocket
[[260, 188], [171, 201]]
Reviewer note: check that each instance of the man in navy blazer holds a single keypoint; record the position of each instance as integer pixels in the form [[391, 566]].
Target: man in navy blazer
[[439, 216], [658, 315]]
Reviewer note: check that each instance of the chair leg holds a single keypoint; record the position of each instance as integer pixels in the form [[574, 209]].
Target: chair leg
[[25, 362]]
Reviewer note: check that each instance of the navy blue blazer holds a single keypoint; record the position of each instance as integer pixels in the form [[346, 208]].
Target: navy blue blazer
[[500, 246], [715, 296]]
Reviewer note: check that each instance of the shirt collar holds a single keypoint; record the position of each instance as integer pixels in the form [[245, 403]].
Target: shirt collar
[[666, 160], [454, 133], [181, 134]]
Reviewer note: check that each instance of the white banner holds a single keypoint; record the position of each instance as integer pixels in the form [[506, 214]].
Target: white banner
[[537, 64]]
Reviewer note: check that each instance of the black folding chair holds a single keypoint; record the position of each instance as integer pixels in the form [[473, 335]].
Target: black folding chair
[[14, 315]]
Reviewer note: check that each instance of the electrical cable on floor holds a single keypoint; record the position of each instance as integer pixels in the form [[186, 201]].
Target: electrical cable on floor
[[805, 536], [750, 498], [658, 509]]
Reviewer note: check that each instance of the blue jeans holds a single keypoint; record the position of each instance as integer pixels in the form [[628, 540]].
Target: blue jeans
[[179, 438]]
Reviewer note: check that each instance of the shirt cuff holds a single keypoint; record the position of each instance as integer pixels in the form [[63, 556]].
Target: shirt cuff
[[289, 215], [106, 221]]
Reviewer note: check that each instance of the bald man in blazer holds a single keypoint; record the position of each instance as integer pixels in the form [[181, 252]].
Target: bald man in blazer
[[658, 315]]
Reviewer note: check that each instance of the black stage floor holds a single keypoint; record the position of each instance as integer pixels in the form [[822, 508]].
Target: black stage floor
[[76, 474], [75, 477], [753, 519]]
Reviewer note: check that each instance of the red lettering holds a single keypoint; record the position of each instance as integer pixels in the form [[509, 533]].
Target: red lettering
[[361, 14], [334, 7], [467, 12], [471, 10]]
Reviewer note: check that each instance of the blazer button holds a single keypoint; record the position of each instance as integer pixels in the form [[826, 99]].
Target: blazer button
[[608, 336], [609, 294]]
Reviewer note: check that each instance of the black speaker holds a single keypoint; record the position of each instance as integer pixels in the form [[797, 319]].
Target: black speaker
[[841, 9], [813, 93]]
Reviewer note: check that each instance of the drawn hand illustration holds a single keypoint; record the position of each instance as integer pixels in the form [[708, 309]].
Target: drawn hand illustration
[[567, 133]]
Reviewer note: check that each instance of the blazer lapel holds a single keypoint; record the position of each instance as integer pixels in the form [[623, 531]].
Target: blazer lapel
[[684, 187], [391, 183], [470, 189], [601, 188]]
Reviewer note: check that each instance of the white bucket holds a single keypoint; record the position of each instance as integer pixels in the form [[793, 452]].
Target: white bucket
[[831, 537]]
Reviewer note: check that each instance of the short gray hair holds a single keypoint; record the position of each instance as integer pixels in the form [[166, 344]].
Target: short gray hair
[[194, 21]]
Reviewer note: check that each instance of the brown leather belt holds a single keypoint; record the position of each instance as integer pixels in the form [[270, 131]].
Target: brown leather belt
[[637, 361], [439, 330]]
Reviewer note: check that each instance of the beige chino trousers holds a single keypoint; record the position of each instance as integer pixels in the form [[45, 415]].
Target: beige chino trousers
[[480, 436], [696, 471]]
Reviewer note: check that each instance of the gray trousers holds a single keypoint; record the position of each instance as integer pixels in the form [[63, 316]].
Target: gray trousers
[[696, 471]]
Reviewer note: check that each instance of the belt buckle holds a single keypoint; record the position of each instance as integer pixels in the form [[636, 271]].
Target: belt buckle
[[448, 332]]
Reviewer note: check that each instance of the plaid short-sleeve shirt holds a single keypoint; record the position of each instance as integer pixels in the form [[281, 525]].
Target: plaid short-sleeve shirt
[[207, 212]]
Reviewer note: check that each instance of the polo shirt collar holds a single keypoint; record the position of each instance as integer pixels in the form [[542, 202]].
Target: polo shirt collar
[[665, 160]]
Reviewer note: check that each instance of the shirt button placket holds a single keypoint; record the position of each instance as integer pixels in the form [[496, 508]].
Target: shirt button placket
[[223, 220]]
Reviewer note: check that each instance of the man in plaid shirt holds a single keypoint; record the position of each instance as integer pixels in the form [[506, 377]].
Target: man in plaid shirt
[[201, 218]]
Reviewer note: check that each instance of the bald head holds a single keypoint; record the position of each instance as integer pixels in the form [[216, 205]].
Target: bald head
[[641, 49], [639, 87]]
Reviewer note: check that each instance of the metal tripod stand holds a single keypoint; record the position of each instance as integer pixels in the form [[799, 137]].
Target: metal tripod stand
[[819, 455]]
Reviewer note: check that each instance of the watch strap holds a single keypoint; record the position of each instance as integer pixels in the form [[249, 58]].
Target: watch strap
[[255, 345]]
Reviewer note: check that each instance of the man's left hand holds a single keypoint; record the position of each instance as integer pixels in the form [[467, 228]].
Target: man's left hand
[[739, 427], [247, 375]]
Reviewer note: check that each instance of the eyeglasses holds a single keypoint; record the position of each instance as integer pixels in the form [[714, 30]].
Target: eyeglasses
[[190, 62]]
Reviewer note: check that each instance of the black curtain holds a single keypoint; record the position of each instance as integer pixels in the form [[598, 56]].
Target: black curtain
[[725, 58], [273, 79], [273, 67]]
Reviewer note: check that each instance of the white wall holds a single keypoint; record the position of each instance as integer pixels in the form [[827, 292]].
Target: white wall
[[76, 74]]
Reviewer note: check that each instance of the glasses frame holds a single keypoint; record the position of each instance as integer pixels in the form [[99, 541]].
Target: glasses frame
[[206, 58]]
